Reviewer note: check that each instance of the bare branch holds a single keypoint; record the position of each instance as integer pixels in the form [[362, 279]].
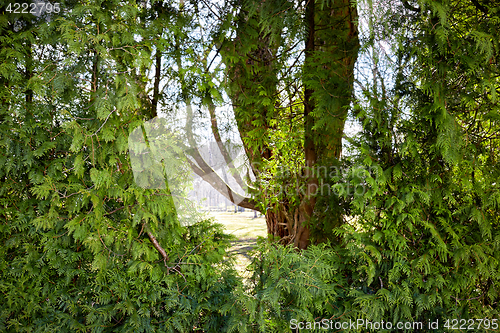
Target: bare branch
[[223, 150], [157, 246], [156, 84], [220, 186]]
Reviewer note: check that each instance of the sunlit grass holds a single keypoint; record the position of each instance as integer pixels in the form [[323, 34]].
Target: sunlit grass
[[247, 229]]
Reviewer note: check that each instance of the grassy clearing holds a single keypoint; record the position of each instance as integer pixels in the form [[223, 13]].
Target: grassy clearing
[[247, 229]]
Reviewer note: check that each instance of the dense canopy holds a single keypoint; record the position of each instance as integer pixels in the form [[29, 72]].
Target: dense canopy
[[366, 132]]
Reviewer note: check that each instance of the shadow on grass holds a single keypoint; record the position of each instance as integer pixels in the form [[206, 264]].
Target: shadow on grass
[[243, 246]]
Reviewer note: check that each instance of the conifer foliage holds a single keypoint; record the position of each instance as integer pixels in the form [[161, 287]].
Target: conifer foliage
[[428, 227], [84, 248]]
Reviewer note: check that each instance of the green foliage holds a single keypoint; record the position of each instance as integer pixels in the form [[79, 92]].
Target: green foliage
[[78, 236], [287, 285], [84, 249], [427, 222]]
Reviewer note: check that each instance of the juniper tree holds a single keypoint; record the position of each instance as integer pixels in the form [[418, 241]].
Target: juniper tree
[[83, 247], [427, 227]]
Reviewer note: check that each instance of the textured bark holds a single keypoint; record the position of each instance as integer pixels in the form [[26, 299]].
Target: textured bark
[[288, 226], [331, 48], [254, 69]]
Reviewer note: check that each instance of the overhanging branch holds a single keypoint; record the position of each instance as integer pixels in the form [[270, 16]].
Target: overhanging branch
[[220, 186], [222, 148]]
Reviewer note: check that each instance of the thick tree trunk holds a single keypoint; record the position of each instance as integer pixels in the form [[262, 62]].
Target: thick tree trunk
[[331, 48], [288, 227], [331, 52]]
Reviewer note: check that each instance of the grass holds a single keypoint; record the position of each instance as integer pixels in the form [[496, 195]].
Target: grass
[[247, 229]]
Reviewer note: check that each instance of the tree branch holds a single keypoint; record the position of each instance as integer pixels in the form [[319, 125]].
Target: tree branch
[[157, 245], [220, 186], [222, 148], [156, 84]]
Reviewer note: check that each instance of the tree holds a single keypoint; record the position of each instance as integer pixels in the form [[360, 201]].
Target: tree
[[305, 103], [83, 247], [427, 228], [86, 248]]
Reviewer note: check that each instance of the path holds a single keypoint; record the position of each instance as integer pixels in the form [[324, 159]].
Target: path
[[246, 229]]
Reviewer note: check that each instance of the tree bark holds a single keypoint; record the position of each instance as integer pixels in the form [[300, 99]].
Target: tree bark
[[331, 47], [330, 54]]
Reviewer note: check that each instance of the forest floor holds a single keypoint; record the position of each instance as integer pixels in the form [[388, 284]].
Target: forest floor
[[247, 229]]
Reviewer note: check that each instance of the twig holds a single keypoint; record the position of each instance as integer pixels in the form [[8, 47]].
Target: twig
[[157, 246], [102, 124]]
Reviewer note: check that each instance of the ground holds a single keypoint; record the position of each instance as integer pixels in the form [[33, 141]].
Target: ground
[[246, 228]]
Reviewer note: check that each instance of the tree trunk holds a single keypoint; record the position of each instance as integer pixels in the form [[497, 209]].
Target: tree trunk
[[288, 227], [331, 48]]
